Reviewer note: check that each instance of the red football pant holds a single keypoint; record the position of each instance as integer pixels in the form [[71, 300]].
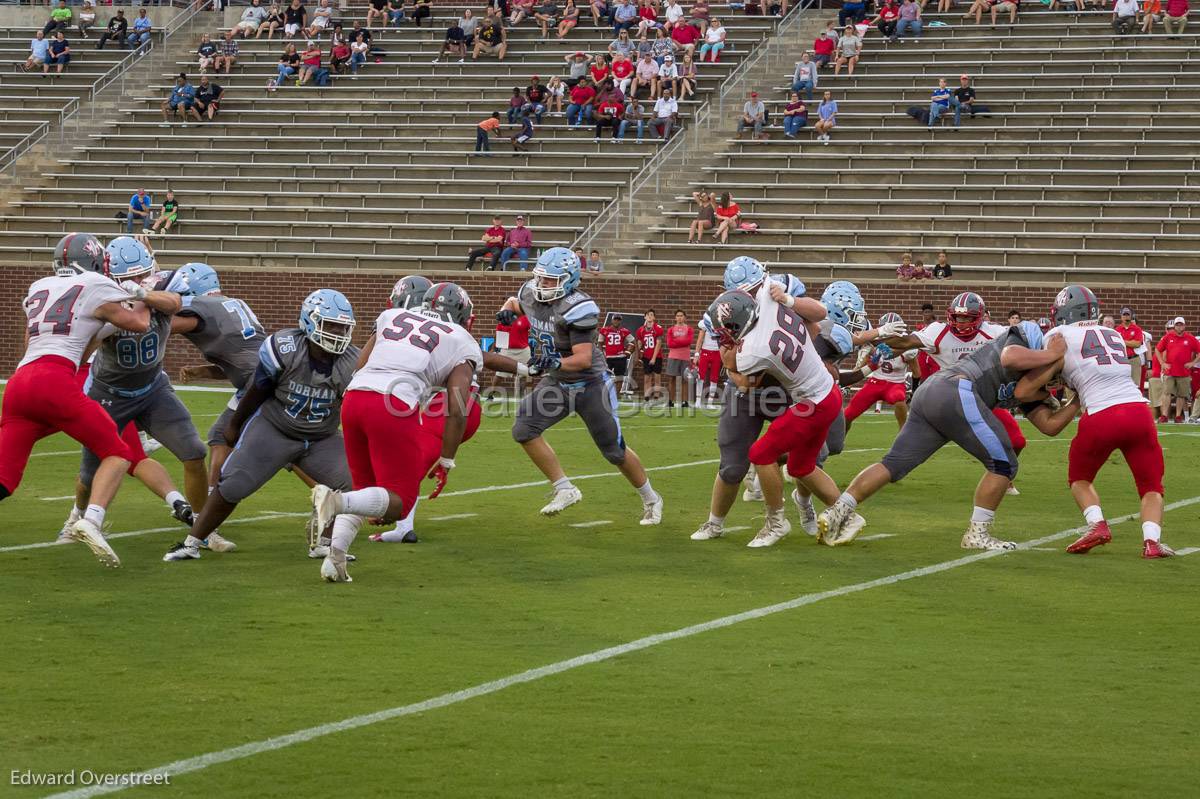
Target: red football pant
[[1012, 428], [799, 433], [383, 444], [1129, 428], [433, 423], [709, 366], [44, 398], [874, 390], [129, 435]]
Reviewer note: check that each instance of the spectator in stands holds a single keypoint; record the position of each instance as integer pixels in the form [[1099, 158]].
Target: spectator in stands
[[1151, 13], [672, 15], [687, 78], [535, 99], [271, 23], [827, 111], [359, 30], [142, 28], [227, 53], [700, 16], [942, 269], [492, 40], [977, 8], [579, 111], [547, 16], [359, 49], [295, 19], [1010, 6], [754, 115], [705, 216], [60, 53], [169, 211], [206, 53], [289, 64], [1014, 317], [577, 69], [728, 214], [455, 42], [397, 12], [823, 48], [666, 115], [624, 16], [517, 241], [570, 18], [488, 127], [594, 263], [622, 72], [310, 62], [886, 19], [685, 35], [1178, 351], [910, 19], [635, 114], [849, 50], [599, 9], [795, 116], [339, 57], [116, 28], [1133, 336], [515, 104], [668, 77], [939, 102], [647, 17], [714, 41], [252, 18], [60, 19], [138, 211], [909, 270], [87, 18], [852, 10], [521, 10], [1056, 5], [39, 52], [1124, 17], [662, 46], [555, 91], [599, 70], [644, 75], [320, 20], [804, 79], [378, 8], [493, 242], [964, 98], [424, 10], [208, 101], [180, 100], [609, 112]]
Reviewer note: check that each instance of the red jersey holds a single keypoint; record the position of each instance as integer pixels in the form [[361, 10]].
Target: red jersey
[[1178, 350], [648, 337], [1130, 332], [926, 365], [514, 336], [614, 341]]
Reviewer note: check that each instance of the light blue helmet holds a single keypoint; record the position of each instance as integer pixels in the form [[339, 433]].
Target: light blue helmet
[[195, 278], [327, 320], [556, 274], [838, 336], [744, 273], [129, 259], [1033, 334], [844, 304]]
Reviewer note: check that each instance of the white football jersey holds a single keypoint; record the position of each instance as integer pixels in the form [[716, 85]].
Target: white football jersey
[[413, 355], [948, 349], [1096, 367], [61, 314], [780, 345], [893, 370]]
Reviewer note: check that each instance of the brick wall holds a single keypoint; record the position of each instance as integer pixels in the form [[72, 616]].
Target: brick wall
[[276, 297]]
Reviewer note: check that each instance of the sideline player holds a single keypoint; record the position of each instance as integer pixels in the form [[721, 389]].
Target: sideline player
[[650, 346], [64, 312], [1092, 360], [885, 372], [411, 352], [564, 322], [288, 415], [954, 405], [708, 366], [618, 343]]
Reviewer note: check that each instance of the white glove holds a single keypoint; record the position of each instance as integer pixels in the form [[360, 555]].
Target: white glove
[[135, 289], [523, 369], [446, 463], [893, 330]]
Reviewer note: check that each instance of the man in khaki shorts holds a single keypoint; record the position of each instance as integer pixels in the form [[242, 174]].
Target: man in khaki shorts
[[1177, 351]]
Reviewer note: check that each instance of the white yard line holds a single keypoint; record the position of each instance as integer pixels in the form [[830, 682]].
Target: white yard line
[[543, 483], [596, 523], [210, 759], [174, 528], [451, 517], [1186, 551], [56, 499], [877, 536]]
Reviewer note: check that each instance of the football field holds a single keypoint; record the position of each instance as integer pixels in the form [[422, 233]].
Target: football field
[[511, 655]]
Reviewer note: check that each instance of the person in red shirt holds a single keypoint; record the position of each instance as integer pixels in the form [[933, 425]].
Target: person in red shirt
[[649, 337], [608, 113], [1177, 351], [1131, 334], [679, 357], [1155, 383], [512, 341], [622, 72], [617, 343], [493, 243], [823, 50], [926, 365], [686, 36], [728, 215], [579, 110]]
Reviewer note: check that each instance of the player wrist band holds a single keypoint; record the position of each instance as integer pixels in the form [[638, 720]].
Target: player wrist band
[[446, 463]]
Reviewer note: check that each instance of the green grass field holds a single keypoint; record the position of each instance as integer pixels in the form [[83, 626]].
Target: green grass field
[[1027, 674]]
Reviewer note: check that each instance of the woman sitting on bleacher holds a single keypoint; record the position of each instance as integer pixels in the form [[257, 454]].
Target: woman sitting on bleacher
[[271, 23], [320, 19], [251, 19], [60, 53], [714, 41], [87, 18], [295, 19], [289, 64]]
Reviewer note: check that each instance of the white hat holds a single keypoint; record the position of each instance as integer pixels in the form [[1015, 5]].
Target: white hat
[[1178, 321]]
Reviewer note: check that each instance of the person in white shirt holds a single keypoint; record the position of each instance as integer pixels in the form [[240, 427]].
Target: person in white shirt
[[1124, 17], [674, 13], [667, 78], [666, 114]]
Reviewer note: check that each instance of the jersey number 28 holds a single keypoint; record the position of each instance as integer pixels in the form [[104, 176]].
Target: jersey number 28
[[1093, 347], [788, 341]]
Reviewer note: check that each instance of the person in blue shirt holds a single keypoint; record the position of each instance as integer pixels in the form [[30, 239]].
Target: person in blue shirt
[[39, 52], [141, 30], [939, 103], [183, 96], [138, 211], [521, 140]]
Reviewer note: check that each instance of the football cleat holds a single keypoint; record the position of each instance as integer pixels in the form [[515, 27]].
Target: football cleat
[[88, 533], [333, 568], [1097, 535], [774, 528], [752, 493], [218, 543], [808, 514], [327, 503], [708, 531], [149, 445], [562, 500], [181, 551], [182, 512], [850, 529], [831, 521], [64, 535], [321, 551], [1012, 491], [652, 512], [1156, 549], [979, 537]]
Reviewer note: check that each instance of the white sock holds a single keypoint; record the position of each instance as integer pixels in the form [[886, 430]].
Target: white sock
[[76, 515], [95, 515], [406, 525], [848, 500], [1092, 514], [1151, 531], [172, 497], [719, 521], [984, 515], [367, 502], [394, 536], [345, 528], [562, 484], [648, 493]]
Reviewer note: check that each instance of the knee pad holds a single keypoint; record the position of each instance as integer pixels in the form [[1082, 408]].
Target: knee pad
[[733, 473], [614, 454], [1004, 468], [523, 433]]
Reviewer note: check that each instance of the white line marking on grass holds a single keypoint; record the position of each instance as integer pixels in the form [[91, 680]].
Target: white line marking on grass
[[597, 523], [1186, 551], [1042, 549], [131, 533], [57, 452], [452, 517], [536, 483], [209, 759], [877, 536], [56, 499], [737, 528]]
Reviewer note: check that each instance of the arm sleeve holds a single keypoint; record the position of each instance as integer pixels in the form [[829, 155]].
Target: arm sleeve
[[269, 366]]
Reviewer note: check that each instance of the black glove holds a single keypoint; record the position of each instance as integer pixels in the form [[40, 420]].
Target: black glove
[[506, 317]]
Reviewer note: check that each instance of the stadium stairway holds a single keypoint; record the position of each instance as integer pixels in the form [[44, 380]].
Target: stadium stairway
[[372, 172], [1085, 169]]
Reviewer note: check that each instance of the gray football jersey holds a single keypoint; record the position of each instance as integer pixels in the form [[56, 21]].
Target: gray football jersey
[[229, 335], [131, 361], [994, 383], [308, 402], [562, 324]]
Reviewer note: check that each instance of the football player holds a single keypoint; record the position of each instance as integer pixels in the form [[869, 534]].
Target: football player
[[1091, 359], [64, 312], [885, 372], [955, 405], [410, 353], [617, 343], [288, 415], [563, 322], [650, 344]]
